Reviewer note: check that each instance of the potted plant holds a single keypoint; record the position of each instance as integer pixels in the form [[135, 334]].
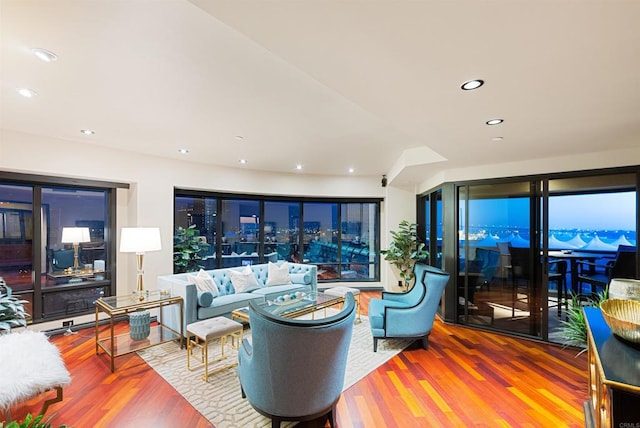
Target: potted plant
[[574, 328], [186, 249], [404, 251], [12, 311], [31, 422]]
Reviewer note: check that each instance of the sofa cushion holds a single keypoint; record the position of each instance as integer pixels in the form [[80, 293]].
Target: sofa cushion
[[278, 275], [223, 305], [300, 278], [204, 282], [243, 280], [205, 298]]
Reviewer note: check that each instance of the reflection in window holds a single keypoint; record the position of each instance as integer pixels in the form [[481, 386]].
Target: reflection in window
[[69, 271], [341, 238], [281, 232]]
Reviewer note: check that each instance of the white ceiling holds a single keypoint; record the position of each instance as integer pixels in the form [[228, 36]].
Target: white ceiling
[[372, 85]]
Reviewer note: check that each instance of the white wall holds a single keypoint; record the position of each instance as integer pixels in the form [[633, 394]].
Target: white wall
[[576, 162], [149, 201]]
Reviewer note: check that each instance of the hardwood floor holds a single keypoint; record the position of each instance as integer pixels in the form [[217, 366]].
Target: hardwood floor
[[466, 378]]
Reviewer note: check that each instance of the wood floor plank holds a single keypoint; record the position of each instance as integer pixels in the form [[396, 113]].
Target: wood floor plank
[[467, 377]]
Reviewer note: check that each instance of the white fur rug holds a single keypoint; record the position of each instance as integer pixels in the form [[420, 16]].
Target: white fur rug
[[30, 365]]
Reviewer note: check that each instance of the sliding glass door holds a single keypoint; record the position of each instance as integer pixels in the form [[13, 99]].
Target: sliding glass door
[[529, 250], [499, 283]]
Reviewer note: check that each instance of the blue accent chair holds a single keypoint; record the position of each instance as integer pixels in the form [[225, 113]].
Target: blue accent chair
[[293, 370], [410, 314]]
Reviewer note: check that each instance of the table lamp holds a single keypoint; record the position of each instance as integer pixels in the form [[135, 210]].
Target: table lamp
[[75, 235], [140, 240]]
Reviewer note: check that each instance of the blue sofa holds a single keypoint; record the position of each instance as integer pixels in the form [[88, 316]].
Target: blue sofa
[[198, 306]]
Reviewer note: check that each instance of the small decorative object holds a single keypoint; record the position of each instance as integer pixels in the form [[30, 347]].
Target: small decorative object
[[98, 265], [622, 288], [623, 318], [139, 325], [288, 299]]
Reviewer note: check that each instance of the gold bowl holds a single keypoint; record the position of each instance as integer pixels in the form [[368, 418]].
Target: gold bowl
[[623, 318]]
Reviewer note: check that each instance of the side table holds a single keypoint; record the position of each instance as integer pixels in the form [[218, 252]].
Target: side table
[[117, 345]]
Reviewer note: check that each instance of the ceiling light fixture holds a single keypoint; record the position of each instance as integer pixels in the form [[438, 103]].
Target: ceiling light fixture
[[183, 151], [351, 170], [87, 131], [472, 84], [244, 161], [26, 92], [239, 137], [497, 139], [44, 55], [495, 121], [299, 167]]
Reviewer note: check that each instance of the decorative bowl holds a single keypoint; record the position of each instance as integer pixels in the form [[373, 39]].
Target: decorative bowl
[[623, 288], [623, 318]]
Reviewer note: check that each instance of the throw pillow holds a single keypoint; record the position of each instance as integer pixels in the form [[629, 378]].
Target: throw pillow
[[301, 278], [243, 280], [204, 282], [205, 298], [278, 275]]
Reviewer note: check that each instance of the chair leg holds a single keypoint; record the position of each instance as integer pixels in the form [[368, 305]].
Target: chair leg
[[332, 416], [375, 344], [275, 423], [425, 342], [242, 392]]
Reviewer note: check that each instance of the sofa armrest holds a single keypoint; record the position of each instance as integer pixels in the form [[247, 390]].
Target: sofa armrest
[[189, 294]]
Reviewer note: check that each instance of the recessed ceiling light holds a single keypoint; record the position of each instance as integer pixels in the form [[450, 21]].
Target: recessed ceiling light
[[244, 161], [44, 55], [351, 170], [87, 131], [183, 151], [26, 92], [495, 121], [472, 84], [299, 167], [239, 137], [497, 139]]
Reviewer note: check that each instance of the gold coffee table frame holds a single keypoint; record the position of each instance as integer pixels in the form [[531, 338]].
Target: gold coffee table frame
[[309, 304]]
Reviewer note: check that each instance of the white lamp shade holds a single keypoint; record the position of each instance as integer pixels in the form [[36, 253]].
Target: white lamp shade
[[75, 235], [140, 239]]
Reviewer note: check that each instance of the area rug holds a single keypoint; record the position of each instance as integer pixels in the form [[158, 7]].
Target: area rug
[[219, 400]]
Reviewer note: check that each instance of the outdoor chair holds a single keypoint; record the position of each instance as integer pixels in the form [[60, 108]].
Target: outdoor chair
[[598, 275]]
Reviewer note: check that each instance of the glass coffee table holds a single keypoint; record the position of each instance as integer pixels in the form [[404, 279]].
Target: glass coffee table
[[310, 303]]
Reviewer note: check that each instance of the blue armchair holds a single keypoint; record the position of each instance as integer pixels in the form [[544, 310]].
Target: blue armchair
[[409, 314], [293, 370]]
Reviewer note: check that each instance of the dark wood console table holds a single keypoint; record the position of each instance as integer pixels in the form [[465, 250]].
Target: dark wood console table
[[614, 377]]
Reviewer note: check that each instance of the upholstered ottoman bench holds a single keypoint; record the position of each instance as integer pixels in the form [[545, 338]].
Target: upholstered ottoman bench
[[342, 292], [201, 333]]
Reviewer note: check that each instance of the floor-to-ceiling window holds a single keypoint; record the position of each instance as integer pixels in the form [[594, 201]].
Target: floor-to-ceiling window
[[340, 236], [496, 283], [281, 229], [55, 243], [525, 246]]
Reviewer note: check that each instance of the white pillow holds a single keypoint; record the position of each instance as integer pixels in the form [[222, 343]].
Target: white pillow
[[243, 280], [203, 282], [278, 275]]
